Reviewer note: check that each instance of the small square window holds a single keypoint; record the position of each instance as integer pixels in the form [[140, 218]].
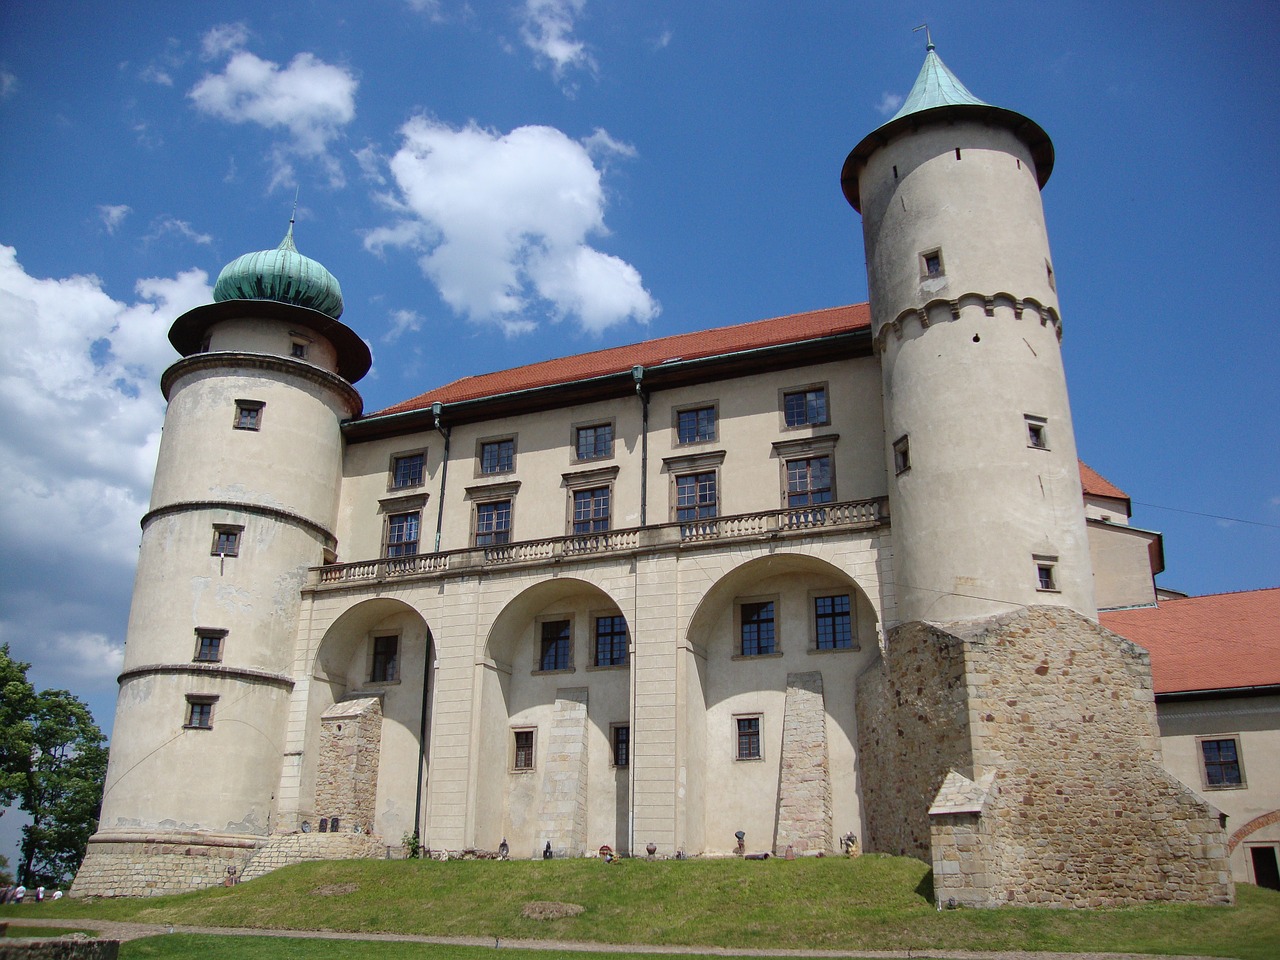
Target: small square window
[[1222, 766], [226, 540], [402, 534], [1046, 574], [757, 631], [298, 350], [696, 425], [200, 712], [593, 442], [406, 470], [557, 645], [591, 510], [901, 454], [611, 641], [493, 523], [498, 456], [1037, 432], [621, 745], [931, 264], [249, 414], [805, 407], [833, 622], [386, 660], [209, 645], [522, 759], [748, 747]]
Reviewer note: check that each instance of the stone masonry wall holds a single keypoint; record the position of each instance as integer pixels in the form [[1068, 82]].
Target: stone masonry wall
[[347, 764], [804, 780], [293, 848], [562, 815], [151, 867]]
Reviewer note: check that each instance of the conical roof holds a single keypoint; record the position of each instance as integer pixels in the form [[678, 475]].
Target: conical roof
[[936, 86], [282, 275]]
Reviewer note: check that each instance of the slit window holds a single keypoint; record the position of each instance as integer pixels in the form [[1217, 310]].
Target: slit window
[[621, 745], [901, 454]]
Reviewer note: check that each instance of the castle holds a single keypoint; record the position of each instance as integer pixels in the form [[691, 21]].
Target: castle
[[827, 578]]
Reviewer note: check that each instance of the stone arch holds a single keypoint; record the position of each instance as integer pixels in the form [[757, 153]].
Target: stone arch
[[572, 794], [1252, 827], [368, 720]]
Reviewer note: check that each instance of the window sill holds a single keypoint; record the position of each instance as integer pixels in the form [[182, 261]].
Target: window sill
[[606, 666], [547, 673], [853, 648], [748, 759], [776, 655], [192, 726], [384, 683], [1227, 786]]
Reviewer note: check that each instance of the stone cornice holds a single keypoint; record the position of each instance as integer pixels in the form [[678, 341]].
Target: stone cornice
[[1020, 306], [224, 359], [213, 670], [275, 513]]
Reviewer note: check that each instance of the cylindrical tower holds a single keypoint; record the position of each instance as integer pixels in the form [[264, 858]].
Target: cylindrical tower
[[245, 500], [985, 494]]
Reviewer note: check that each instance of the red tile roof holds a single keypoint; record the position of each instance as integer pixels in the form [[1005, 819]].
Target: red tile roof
[[1219, 642], [1096, 485], [685, 346]]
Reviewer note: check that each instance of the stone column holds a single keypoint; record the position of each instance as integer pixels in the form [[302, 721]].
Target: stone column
[[804, 780]]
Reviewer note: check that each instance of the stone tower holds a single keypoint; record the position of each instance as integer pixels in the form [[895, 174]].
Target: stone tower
[[1005, 737], [245, 500], [988, 513]]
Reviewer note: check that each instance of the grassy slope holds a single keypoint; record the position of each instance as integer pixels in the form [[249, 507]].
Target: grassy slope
[[870, 903]]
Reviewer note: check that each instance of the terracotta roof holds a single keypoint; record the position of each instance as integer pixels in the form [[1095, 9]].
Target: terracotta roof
[[685, 346], [1096, 485], [1220, 642]]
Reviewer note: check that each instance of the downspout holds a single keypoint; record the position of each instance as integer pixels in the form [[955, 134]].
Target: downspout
[[637, 374], [437, 411]]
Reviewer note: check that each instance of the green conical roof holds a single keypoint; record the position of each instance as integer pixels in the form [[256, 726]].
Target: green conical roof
[[936, 86], [283, 275]]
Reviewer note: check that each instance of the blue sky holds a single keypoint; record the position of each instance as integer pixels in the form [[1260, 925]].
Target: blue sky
[[496, 183]]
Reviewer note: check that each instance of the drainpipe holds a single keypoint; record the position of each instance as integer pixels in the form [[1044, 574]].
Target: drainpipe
[[437, 411], [422, 737], [637, 374]]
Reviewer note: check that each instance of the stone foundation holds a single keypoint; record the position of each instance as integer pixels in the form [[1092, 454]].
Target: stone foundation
[[1020, 756], [142, 865], [804, 779], [283, 851], [347, 775], [562, 815]]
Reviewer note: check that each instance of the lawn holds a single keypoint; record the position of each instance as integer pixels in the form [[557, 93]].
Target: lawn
[[870, 903]]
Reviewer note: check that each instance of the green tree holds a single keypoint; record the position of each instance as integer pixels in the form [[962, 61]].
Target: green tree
[[17, 706]]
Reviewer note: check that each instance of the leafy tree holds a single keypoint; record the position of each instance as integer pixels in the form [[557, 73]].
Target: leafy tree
[[17, 705]]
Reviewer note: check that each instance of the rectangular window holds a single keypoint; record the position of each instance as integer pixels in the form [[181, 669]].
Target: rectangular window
[[1046, 575], [593, 442], [1222, 763], [386, 660], [249, 414], [498, 456], [931, 261], [493, 523], [901, 454], [805, 407], [696, 425], [402, 534], [833, 622], [758, 632], [406, 471], [621, 745], [209, 645], [226, 540], [298, 350], [611, 641], [557, 645], [696, 496], [523, 758], [591, 510], [748, 738], [808, 481], [1037, 432], [200, 712]]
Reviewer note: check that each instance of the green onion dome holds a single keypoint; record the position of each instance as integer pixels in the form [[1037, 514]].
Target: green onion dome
[[283, 275]]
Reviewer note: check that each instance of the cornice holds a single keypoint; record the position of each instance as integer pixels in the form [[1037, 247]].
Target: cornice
[[214, 670], [225, 359], [275, 513], [922, 314]]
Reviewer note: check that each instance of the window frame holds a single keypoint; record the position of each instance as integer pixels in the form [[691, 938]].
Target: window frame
[[815, 618], [394, 464], [515, 765], [902, 455], [740, 623], [620, 735], [496, 440], [496, 536], [925, 256], [1046, 573], [216, 636], [711, 406], [199, 707], [804, 390], [596, 617], [235, 531], [540, 638], [587, 496], [394, 512], [1037, 431], [575, 434], [1203, 761], [810, 491], [391, 665], [758, 733], [249, 415]]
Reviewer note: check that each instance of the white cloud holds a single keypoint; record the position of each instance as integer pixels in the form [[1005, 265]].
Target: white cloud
[[154, 74], [223, 39], [431, 8], [371, 163], [501, 223], [403, 321], [889, 103], [113, 214], [309, 99], [8, 84], [600, 144], [662, 41], [162, 226], [548, 31], [77, 455]]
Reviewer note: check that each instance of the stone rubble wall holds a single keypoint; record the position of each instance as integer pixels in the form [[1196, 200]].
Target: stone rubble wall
[[12, 948], [288, 849], [562, 814], [347, 773], [149, 868], [804, 779]]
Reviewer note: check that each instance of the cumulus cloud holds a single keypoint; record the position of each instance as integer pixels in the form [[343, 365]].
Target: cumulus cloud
[[154, 74], [501, 224], [889, 103], [113, 214], [403, 321], [309, 99], [547, 30], [167, 225], [223, 39], [82, 428]]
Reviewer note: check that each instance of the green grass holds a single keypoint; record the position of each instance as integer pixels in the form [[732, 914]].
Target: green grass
[[871, 903], [28, 932]]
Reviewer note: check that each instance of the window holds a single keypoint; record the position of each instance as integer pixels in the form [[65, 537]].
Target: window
[[748, 738], [611, 641], [523, 757], [696, 424], [805, 407], [1222, 766], [557, 645], [808, 481], [1037, 432], [901, 454], [1053, 285], [493, 523], [621, 745], [591, 510], [226, 540], [931, 264], [200, 712], [406, 470], [402, 534], [498, 456], [757, 629], [833, 622], [696, 496], [1046, 574], [249, 414], [209, 645], [298, 350], [386, 660], [593, 442]]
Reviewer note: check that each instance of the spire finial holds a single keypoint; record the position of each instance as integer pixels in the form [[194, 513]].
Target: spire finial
[[928, 38], [287, 242]]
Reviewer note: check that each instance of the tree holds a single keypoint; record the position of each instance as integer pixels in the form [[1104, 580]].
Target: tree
[[17, 706]]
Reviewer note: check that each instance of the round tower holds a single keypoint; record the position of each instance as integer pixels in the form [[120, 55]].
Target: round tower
[[984, 485], [245, 500]]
